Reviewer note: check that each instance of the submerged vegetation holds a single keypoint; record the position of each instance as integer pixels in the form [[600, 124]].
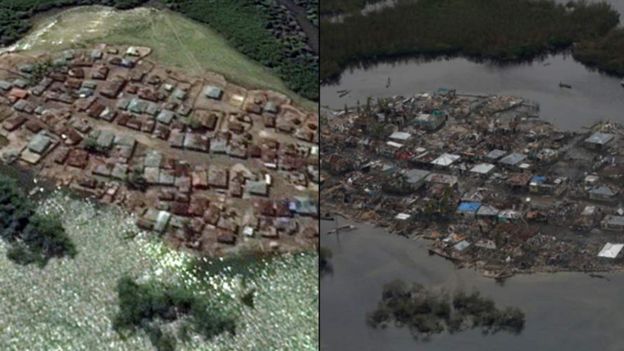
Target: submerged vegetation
[[505, 30], [72, 304], [32, 237], [146, 306], [606, 54], [426, 312]]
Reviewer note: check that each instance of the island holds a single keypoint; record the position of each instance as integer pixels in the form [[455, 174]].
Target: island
[[487, 182]]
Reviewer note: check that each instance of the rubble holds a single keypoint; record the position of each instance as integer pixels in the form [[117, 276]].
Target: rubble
[[487, 182]]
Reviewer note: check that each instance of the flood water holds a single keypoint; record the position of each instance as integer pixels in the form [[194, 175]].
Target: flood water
[[564, 311], [594, 96]]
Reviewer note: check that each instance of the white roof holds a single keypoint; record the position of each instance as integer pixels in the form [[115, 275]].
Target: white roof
[[248, 231], [402, 216], [445, 159], [482, 168], [591, 178], [610, 250], [393, 144], [402, 136], [588, 211], [509, 214], [599, 138]]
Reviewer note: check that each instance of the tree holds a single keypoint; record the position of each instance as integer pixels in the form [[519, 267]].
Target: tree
[[136, 181], [33, 238]]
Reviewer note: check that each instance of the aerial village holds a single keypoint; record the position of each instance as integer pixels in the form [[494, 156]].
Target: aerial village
[[213, 167], [482, 178]]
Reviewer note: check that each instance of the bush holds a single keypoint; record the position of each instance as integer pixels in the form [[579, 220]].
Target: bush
[[146, 306], [483, 29], [34, 238], [427, 312], [245, 26]]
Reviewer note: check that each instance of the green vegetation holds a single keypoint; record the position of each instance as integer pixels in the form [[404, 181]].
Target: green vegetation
[[246, 29], [427, 312], [606, 54], [312, 9], [148, 305], [176, 41], [243, 24], [506, 30], [440, 208], [32, 237]]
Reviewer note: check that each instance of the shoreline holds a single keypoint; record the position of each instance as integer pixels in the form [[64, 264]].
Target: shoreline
[[532, 229], [498, 275]]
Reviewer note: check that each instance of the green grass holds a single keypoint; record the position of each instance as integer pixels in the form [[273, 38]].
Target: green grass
[[177, 41]]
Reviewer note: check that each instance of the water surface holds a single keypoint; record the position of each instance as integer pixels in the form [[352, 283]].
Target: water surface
[[564, 311], [594, 96]]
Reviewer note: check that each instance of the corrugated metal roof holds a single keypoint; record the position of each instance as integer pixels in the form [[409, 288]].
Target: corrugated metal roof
[[512, 159], [610, 250], [445, 159], [599, 138], [468, 206], [482, 168]]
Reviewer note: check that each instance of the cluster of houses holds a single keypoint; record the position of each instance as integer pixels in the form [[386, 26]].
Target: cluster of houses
[[196, 158], [478, 166]]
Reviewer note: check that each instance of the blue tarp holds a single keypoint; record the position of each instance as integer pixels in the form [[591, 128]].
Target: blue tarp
[[468, 206], [538, 179]]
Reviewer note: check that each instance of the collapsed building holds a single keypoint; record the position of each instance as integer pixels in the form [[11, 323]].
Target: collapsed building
[[487, 181]]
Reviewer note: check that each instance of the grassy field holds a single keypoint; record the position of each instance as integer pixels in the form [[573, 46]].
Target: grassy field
[[70, 304], [177, 41]]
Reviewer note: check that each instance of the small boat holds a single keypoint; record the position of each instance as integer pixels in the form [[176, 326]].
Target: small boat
[[343, 93], [598, 276], [388, 83], [564, 85]]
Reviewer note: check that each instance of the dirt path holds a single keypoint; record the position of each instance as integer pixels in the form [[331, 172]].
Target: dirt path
[[187, 53]]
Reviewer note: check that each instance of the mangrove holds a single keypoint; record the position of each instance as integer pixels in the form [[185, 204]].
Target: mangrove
[[426, 312], [498, 30], [31, 237]]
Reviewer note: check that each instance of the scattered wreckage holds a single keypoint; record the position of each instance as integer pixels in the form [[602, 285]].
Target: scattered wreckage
[[490, 184]]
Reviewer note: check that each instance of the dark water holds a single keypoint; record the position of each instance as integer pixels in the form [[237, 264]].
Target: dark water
[[594, 96], [564, 311]]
